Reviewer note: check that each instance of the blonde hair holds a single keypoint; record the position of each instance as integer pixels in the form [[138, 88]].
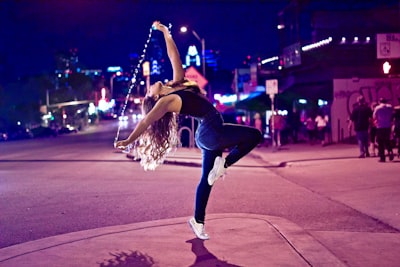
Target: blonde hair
[[153, 146]]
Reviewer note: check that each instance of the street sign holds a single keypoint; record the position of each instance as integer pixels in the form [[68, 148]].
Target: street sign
[[271, 87], [388, 45], [192, 74]]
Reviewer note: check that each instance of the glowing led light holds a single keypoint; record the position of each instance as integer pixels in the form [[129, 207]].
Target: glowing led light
[[322, 102], [183, 29], [280, 26], [123, 118], [114, 69], [226, 98], [133, 80], [271, 59], [317, 44], [91, 109], [386, 67]]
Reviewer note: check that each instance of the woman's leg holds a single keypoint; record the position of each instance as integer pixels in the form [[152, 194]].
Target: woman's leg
[[373, 140], [242, 139], [380, 138], [278, 137], [203, 188], [398, 142], [360, 143], [388, 143]]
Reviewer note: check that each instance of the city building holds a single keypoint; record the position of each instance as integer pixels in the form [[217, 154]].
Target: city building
[[331, 54]]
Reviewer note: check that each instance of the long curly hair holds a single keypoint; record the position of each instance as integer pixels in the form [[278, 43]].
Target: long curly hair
[[158, 140]]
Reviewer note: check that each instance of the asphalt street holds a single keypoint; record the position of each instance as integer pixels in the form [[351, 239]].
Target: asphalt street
[[346, 208]]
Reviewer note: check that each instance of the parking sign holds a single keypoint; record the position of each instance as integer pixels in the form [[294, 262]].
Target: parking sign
[[271, 86]]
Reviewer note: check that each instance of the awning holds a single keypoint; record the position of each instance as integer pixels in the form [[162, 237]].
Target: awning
[[284, 100]]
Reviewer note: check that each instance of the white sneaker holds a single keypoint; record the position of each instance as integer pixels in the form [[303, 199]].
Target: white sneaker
[[198, 229], [217, 171]]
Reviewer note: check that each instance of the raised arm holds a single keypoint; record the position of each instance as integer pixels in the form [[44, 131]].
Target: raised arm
[[172, 51], [164, 105]]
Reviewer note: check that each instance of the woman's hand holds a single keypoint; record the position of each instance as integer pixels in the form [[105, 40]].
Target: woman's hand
[[159, 26], [121, 144]]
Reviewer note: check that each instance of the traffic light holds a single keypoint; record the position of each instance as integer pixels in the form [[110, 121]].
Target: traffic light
[[386, 67]]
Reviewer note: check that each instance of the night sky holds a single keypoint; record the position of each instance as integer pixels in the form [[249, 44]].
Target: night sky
[[106, 32]]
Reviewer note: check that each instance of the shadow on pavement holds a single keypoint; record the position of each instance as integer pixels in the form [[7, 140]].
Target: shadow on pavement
[[133, 258], [205, 257]]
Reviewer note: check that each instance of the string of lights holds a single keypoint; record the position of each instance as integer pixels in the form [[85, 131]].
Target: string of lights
[[134, 81]]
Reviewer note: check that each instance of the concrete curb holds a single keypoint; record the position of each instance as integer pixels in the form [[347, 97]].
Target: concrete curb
[[279, 236]]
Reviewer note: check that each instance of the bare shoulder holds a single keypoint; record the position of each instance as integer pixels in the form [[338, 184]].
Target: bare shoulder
[[172, 102]]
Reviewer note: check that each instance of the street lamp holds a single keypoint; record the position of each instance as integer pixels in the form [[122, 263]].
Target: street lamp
[[203, 48], [203, 64], [118, 73]]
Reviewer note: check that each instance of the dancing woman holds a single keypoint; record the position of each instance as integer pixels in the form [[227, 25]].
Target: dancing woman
[[156, 134]]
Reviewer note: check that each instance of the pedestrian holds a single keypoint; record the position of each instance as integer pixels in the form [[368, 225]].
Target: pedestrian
[[156, 132], [396, 126], [372, 133], [278, 122], [360, 118], [321, 122], [311, 129], [295, 123], [383, 115], [258, 125]]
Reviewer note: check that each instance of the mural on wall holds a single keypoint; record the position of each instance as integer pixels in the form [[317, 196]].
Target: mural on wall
[[345, 93]]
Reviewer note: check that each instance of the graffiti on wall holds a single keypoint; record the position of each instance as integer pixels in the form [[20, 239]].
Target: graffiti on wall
[[345, 93], [380, 89]]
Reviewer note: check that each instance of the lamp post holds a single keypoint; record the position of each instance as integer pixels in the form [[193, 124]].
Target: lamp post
[[112, 85], [118, 73], [203, 52], [203, 65]]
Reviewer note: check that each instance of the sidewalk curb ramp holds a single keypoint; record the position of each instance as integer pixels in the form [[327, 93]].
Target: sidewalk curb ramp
[[237, 239]]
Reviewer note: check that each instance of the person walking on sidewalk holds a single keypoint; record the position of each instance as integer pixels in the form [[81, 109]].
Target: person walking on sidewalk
[[383, 115], [372, 132], [396, 126], [311, 129], [258, 124], [322, 122], [360, 118], [157, 133], [277, 121]]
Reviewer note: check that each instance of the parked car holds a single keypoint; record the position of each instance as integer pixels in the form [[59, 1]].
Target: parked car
[[17, 132], [44, 132], [67, 129]]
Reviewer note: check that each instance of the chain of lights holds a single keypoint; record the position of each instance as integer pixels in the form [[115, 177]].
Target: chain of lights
[[317, 44], [134, 80]]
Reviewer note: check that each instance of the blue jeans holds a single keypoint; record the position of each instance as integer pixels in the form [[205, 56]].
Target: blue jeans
[[213, 136], [362, 139], [383, 139]]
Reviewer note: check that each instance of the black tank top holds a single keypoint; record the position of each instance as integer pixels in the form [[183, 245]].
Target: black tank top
[[194, 104]]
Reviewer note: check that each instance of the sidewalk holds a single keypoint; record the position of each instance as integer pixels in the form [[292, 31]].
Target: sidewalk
[[236, 239], [305, 152], [250, 240]]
